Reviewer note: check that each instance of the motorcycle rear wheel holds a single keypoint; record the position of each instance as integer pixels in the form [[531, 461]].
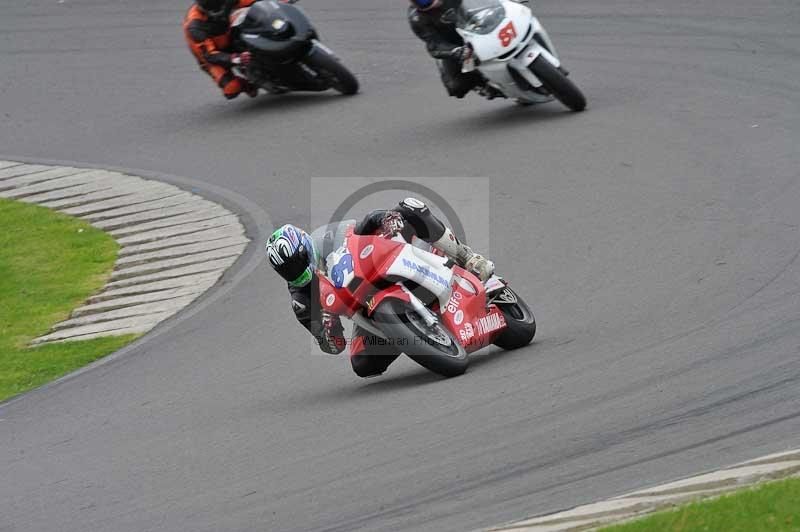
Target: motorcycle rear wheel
[[433, 348], [327, 65], [558, 84]]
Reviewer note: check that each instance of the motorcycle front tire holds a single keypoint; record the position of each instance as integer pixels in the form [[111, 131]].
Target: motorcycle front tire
[[558, 84], [321, 61], [401, 325]]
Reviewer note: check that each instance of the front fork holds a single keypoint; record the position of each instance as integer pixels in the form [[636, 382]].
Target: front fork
[[539, 45]]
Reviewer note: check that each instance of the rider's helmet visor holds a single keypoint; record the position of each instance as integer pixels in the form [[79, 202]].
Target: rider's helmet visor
[[295, 268]]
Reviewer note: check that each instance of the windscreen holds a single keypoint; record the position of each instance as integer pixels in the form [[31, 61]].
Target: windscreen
[[480, 16], [259, 17], [328, 239]]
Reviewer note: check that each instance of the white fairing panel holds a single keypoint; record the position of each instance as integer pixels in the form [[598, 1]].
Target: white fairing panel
[[424, 268], [505, 38], [495, 59]]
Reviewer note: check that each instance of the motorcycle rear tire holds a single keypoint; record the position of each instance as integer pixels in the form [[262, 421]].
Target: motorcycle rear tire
[[323, 62], [558, 84], [392, 317]]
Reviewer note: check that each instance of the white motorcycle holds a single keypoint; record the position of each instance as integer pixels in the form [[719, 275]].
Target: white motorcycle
[[512, 50]]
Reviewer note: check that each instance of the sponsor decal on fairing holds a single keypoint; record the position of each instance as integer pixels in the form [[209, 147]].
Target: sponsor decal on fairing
[[467, 332], [490, 323], [426, 272], [367, 251]]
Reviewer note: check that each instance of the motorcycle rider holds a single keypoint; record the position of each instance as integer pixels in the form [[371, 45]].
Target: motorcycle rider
[[291, 253], [207, 30], [433, 21]]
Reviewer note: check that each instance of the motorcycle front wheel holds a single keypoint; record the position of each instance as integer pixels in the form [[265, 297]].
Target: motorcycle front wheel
[[326, 65], [558, 84], [520, 323], [432, 347]]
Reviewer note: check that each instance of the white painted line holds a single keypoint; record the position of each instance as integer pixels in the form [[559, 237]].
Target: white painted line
[[174, 245]]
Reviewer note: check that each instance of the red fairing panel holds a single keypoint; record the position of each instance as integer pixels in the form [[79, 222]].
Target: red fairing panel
[[466, 316]]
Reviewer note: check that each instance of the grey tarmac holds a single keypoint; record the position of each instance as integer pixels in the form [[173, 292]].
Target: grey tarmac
[[655, 236]]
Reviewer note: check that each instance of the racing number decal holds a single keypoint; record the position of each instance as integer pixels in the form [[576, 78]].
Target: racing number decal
[[343, 267], [507, 34]]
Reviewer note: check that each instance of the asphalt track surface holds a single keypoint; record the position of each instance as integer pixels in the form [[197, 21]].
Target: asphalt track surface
[[656, 236]]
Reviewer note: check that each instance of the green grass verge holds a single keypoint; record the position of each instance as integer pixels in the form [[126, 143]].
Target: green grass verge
[[770, 507], [49, 264]]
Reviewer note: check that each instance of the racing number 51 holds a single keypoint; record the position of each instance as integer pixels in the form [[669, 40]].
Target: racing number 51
[[507, 34]]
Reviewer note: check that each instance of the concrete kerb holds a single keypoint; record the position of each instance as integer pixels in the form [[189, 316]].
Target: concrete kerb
[[645, 501], [191, 208], [255, 221]]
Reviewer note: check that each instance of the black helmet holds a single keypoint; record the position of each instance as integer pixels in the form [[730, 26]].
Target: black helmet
[[291, 253], [214, 8]]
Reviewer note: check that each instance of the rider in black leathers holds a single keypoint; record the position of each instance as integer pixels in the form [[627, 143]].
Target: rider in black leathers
[[433, 21]]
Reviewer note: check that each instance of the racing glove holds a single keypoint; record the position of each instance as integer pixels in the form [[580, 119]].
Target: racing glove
[[242, 59], [391, 224], [461, 54], [331, 336]]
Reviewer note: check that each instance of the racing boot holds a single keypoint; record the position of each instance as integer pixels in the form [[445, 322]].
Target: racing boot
[[489, 92], [250, 89], [482, 267]]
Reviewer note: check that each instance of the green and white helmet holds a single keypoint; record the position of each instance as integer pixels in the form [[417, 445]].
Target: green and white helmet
[[291, 253]]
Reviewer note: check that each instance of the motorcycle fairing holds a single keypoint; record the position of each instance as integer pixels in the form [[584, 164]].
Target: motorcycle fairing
[[530, 42], [281, 31], [426, 269], [488, 47], [365, 270], [466, 301]]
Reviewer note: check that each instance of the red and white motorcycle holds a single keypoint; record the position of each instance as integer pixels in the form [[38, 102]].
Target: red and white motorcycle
[[514, 53], [430, 309]]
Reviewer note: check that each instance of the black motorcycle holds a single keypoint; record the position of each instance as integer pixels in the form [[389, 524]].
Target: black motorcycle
[[286, 54]]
